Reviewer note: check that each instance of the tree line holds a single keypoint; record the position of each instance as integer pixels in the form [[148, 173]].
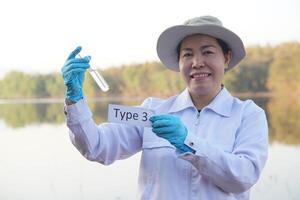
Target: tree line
[[265, 69]]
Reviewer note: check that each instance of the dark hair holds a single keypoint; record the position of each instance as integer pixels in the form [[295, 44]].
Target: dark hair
[[224, 46]]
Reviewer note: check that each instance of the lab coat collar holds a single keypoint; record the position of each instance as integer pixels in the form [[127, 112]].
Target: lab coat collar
[[221, 104], [183, 101]]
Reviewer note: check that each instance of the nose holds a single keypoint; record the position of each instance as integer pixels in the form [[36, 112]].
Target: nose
[[198, 61]]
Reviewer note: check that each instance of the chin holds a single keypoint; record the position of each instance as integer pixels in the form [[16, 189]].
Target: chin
[[200, 90]]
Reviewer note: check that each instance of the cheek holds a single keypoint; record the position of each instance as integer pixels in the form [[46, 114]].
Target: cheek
[[220, 73], [184, 73], [184, 65], [219, 66], [181, 67]]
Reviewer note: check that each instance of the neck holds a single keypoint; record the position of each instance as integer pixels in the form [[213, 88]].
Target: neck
[[200, 101]]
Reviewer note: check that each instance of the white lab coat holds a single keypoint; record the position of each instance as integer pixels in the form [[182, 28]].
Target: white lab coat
[[229, 136]]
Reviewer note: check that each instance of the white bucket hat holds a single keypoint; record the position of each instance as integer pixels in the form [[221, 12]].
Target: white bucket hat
[[169, 40]]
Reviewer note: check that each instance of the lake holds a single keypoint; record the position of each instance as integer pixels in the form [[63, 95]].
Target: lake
[[38, 161]]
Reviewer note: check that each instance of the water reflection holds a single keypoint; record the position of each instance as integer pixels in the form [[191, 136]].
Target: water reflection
[[20, 115], [282, 115], [49, 167]]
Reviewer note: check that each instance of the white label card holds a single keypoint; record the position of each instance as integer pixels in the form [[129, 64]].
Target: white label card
[[129, 115]]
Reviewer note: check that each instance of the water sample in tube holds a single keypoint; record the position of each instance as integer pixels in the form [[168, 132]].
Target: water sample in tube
[[99, 79]]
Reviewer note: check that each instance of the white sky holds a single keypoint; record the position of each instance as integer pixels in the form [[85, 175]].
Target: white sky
[[38, 35]]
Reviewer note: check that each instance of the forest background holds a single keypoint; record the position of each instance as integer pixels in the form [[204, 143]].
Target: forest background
[[269, 74]]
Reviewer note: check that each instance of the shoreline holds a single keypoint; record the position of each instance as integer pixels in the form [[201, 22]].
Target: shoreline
[[119, 98], [116, 98]]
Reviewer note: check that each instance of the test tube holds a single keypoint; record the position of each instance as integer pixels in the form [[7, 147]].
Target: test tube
[[98, 78]]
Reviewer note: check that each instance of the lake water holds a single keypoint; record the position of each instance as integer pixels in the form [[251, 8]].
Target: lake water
[[38, 161]]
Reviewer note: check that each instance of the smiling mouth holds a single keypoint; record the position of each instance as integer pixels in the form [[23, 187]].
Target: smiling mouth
[[200, 75]]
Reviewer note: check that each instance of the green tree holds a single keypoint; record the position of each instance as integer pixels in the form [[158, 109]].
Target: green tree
[[54, 85], [252, 73], [285, 70], [18, 85], [283, 81]]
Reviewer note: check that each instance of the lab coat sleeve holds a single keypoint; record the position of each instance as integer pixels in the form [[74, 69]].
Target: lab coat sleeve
[[235, 171], [102, 143]]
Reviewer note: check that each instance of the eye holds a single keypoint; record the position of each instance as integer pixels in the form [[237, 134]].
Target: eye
[[187, 54], [207, 52]]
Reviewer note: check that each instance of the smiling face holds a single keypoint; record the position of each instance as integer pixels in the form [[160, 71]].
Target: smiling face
[[202, 64]]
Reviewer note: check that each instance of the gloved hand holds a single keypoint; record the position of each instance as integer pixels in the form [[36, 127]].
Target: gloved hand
[[73, 73], [172, 129]]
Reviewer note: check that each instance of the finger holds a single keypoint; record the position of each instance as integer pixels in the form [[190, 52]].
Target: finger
[[163, 130], [74, 73], [76, 60], [74, 69], [74, 53], [161, 123], [68, 68], [161, 117], [77, 70], [87, 58]]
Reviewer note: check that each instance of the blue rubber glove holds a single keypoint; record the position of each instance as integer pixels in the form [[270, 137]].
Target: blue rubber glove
[[172, 129], [73, 73]]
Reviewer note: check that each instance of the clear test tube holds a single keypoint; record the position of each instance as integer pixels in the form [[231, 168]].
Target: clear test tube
[[98, 78]]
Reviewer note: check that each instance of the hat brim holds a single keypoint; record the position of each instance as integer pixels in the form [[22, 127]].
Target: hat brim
[[169, 40]]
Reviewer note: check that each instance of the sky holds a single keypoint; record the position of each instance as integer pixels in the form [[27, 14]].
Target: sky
[[37, 35]]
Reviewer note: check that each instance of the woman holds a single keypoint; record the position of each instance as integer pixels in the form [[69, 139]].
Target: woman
[[204, 143]]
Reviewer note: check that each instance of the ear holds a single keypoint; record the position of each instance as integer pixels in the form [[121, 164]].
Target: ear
[[228, 58]]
